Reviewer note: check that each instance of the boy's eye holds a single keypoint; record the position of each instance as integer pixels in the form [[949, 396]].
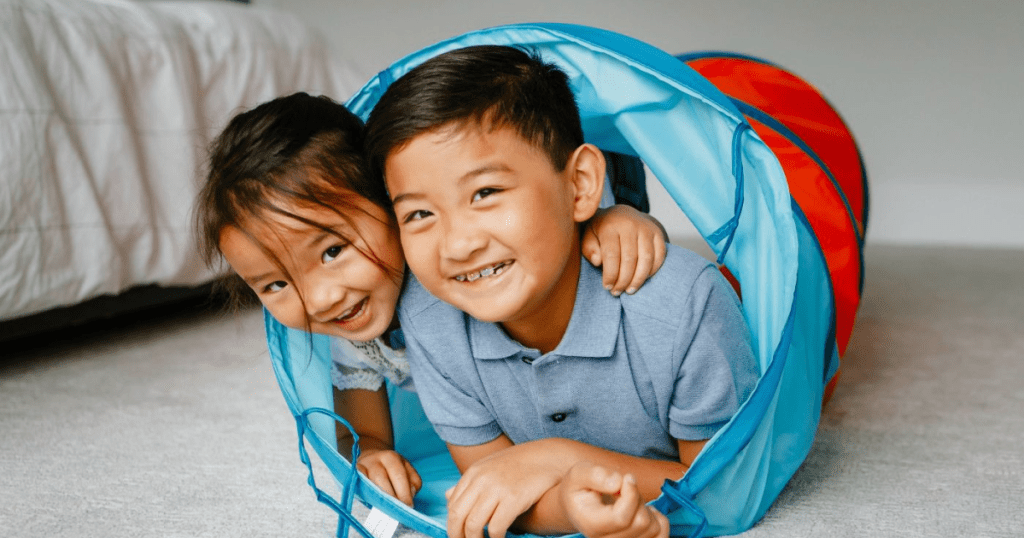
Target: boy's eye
[[419, 214], [332, 253], [484, 193], [275, 286]]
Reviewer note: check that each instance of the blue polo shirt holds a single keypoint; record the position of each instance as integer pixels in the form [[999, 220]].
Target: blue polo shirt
[[631, 374]]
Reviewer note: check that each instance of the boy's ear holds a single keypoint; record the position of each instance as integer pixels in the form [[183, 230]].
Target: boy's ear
[[587, 167]]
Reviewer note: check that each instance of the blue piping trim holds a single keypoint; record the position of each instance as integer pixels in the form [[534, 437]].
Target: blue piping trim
[[867, 206], [741, 429], [778, 127], [729, 228], [772, 123], [639, 52], [830, 339], [702, 55], [385, 79], [343, 506], [705, 54], [685, 498]]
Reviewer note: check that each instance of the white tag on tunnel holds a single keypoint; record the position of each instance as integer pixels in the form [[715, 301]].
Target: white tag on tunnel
[[380, 524]]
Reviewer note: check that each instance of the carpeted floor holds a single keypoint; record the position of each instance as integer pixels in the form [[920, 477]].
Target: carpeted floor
[[174, 426]]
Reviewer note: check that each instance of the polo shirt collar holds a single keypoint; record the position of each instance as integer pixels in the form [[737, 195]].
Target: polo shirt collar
[[592, 331]]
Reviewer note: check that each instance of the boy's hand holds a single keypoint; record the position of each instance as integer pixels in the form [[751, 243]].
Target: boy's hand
[[627, 244], [496, 490], [391, 473], [605, 504]]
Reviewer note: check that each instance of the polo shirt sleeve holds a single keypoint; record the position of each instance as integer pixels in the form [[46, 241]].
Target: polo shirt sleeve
[[718, 369], [449, 401]]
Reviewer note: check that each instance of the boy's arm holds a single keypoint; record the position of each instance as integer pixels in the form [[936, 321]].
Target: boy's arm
[[500, 482], [548, 516], [507, 485], [369, 414], [605, 504]]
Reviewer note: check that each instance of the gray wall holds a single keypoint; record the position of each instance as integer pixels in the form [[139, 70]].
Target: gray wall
[[931, 89]]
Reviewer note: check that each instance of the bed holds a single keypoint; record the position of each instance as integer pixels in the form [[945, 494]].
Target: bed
[[107, 108]]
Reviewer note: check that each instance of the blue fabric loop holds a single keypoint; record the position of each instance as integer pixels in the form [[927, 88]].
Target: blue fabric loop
[[343, 506], [728, 229], [681, 497]]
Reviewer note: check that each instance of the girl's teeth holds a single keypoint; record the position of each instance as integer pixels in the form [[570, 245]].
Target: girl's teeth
[[352, 312]]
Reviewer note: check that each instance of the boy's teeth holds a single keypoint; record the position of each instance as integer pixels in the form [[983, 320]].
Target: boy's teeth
[[485, 272]]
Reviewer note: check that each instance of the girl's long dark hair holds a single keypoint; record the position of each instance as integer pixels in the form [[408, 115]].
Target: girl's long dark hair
[[299, 150]]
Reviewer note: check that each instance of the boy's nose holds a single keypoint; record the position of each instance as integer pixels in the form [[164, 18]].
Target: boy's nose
[[462, 240]]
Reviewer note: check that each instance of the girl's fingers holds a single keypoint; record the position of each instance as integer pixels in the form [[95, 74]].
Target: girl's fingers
[[628, 255], [591, 248], [644, 265], [378, 476], [660, 249], [415, 482], [400, 480], [610, 264]]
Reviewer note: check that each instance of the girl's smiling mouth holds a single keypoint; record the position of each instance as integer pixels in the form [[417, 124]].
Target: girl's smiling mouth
[[353, 313]]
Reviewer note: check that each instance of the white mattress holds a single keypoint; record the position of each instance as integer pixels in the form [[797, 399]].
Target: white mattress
[[106, 112]]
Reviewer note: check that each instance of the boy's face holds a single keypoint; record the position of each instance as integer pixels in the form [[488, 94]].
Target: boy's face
[[486, 222], [307, 275]]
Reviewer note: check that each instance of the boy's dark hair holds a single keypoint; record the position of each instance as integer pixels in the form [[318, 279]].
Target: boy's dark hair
[[297, 149], [502, 86]]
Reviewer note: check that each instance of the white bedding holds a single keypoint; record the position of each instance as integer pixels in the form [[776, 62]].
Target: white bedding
[[106, 112]]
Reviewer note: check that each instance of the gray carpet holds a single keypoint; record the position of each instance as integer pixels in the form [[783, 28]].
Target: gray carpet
[[174, 426]]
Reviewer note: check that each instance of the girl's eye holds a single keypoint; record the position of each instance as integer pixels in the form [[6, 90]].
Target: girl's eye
[[419, 214], [484, 193], [332, 253], [275, 286]]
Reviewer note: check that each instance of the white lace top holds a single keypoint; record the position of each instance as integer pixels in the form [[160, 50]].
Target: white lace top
[[365, 365]]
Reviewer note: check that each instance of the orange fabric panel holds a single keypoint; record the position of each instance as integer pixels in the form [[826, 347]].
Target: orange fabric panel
[[802, 109], [816, 195]]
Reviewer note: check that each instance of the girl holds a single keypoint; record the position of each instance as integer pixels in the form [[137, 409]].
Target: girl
[[289, 204]]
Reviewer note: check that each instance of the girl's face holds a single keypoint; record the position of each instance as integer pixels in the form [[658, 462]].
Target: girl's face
[[303, 274]]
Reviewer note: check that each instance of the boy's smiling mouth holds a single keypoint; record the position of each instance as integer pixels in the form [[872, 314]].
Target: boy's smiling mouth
[[490, 270]]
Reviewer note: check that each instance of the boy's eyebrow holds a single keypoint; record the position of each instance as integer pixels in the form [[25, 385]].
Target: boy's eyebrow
[[485, 169]]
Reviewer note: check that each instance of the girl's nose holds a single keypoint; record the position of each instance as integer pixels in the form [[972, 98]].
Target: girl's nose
[[324, 297]]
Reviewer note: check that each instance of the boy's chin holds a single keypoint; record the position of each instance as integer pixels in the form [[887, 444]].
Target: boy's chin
[[488, 313]]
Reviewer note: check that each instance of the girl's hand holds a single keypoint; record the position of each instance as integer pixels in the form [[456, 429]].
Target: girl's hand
[[627, 244], [606, 504], [391, 473]]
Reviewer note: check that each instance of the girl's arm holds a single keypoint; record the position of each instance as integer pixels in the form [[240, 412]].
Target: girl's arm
[[627, 244], [369, 414]]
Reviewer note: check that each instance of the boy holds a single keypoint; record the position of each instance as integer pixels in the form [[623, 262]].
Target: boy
[[564, 407]]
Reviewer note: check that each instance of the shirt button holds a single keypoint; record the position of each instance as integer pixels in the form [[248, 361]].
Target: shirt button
[[528, 360], [558, 417]]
